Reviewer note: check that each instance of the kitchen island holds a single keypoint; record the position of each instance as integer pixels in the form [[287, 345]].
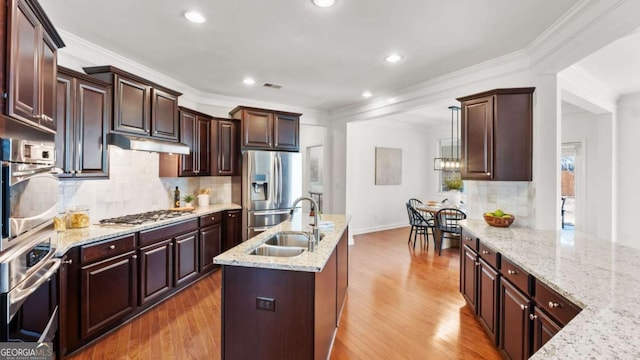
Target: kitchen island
[[284, 307], [600, 277]]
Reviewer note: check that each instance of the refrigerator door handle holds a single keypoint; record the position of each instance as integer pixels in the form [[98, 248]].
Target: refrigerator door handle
[[280, 180], [275, 178]]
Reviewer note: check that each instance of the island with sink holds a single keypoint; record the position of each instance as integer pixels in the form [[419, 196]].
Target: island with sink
[[283, 292]]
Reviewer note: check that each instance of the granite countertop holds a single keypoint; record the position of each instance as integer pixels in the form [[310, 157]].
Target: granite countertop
[[96, 232], [599, 276], [307, 261]]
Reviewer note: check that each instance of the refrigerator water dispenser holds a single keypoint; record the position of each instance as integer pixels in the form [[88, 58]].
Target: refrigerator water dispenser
[[259, 187]]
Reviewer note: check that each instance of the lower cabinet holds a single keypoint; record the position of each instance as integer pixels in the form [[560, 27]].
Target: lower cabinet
[[514, 322], [488, 291], [469, 276], [108, 292], [232, 229], [544, 328], [155, 271], [210, 246], [342, 252], [186, 258]]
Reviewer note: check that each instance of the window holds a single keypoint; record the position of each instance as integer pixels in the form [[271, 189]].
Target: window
[[448, 179]]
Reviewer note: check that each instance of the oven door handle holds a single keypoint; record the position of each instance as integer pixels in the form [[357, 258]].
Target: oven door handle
[[49, 331], [18, 295]]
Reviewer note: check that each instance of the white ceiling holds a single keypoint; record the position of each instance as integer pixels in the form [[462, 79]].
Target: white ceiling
[[323, 58]]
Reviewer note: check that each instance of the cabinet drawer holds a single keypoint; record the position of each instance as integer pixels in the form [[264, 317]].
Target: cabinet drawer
[[488, 255], [518, 277], [166, 232], [210, 219], [555, 304], [105, 249], [469, 239]]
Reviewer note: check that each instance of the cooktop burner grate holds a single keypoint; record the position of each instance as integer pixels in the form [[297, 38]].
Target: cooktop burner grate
[[146, 217]]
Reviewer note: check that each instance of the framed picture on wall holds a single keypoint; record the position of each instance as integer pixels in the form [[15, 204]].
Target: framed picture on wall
[[388, 166]]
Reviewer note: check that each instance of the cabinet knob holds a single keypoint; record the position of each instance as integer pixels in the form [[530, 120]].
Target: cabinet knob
[[112, 247], [523, 307], [553, 304], [134, 256], [486, 252], [70, 261], [533, 317], [477, 263], [213, 218], [512, 272], [468, 239]]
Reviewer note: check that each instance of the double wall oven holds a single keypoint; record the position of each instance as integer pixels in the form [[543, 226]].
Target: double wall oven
[[28, 267]]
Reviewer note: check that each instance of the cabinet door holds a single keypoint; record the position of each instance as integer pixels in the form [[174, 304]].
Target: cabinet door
[[186, 258], [187, 163], [257, 128], [91, 121], [469, 277], [227, 147], [25, 37], [544, 328], [232, 229], [286, 132], [342, 252], [164, 115], [203, 146], [156, 276], [48, 75], [109, 292], [488, 290], [210, 246], [64, 125], [477, 138], [514, 322], [131, 106]]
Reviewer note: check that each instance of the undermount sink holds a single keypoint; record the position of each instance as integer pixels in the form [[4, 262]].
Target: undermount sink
[[277, 251], [290, 238]]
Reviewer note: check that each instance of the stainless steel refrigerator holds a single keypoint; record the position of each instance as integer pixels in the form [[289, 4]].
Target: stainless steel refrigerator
[[271, 180]]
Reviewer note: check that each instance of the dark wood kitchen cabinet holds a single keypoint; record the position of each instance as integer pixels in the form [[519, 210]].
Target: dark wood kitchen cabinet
[[168, 259], [140, 107], [268, 129], [83, 114], [224, 135], [342, 254], [514, 326], [195, 132], [108, 284], [469, 277], [232, 229], [550, 314], [32, 48], [496, 135], [210, 240], [487, 305]]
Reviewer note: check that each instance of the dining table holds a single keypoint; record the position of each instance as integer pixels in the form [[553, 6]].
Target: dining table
[[432, 209]]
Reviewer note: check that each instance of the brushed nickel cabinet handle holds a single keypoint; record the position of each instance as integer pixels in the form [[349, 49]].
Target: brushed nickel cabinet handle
[[553, 304], [485, 252], [70, 261], [533, 317], [523, 307], [134, 257], [512, 272], [112, 247]]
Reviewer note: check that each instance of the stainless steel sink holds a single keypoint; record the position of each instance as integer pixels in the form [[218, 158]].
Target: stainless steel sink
[[277, 251], [290, 238]]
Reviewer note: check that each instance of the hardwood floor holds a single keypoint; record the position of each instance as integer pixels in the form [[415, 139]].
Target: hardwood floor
[[401, 304]]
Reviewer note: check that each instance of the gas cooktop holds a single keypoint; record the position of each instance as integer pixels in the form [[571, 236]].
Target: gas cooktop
[[146, 217]]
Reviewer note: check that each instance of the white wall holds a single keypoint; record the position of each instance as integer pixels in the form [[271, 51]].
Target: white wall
[[313, 135], [378, 207], [628, 127], [593, 132]]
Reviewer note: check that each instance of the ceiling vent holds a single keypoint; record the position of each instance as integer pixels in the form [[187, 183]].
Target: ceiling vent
[[273, 86]]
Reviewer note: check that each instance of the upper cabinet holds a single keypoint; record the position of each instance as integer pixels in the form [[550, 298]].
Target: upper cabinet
[[224, 136], [195, 132], [32, 71], [268, 129], [496, 135], [140, 107], [83, 115]]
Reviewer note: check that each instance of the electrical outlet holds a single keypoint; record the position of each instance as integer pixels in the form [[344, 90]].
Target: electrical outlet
[[267, 304]]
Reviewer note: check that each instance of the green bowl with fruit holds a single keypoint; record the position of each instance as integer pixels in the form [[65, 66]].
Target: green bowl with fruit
[[499, 218]]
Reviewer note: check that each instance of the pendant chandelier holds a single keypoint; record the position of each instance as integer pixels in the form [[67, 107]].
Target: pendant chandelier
[[452, 162]]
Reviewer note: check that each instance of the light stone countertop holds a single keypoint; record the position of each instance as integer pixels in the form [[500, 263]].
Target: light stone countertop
[[307, 261], [96, 232], [599, 276]]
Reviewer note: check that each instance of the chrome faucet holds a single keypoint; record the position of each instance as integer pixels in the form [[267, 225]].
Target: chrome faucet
[[313, 243]]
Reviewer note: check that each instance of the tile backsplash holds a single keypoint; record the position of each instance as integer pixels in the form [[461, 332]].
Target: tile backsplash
[[513, 197], [134, 186]]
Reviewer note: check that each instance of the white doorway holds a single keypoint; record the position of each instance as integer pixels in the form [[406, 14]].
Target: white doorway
[[572, 165]]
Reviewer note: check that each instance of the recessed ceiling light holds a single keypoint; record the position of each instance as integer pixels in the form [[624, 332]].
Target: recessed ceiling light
[[248, 81], [194, 16], [323, 3], [367, 94], [393, 58]]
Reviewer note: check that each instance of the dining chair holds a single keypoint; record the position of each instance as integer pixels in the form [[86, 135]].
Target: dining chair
[[414, 202], [447, 222], [420, 225]]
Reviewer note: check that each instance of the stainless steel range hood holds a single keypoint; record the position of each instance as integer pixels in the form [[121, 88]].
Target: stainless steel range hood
[[128, 142]]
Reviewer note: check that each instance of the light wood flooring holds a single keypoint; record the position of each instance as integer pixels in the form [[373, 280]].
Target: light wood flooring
[[401, 304]]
